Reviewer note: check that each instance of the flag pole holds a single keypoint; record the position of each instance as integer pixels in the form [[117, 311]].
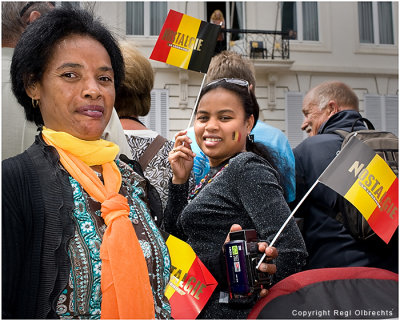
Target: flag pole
[[197, 101], [298, 205], [287, 220]]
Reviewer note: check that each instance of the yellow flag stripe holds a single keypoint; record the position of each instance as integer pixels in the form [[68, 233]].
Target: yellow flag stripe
[[189, 26], [182, 258], [370, 186]]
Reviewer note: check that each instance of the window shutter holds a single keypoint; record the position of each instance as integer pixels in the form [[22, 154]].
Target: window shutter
[[135, 18], [294, 117], [383, 112], [310, 21], [157, 118], [392, 114], [373, 110]]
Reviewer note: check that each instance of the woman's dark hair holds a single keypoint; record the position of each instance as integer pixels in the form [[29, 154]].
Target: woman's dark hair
[[37, 43], [251, 107]]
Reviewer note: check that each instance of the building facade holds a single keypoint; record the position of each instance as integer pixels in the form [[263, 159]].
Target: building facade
[[353, 42]]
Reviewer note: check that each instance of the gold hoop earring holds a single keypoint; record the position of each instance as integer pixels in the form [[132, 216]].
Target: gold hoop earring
[[35, 103]]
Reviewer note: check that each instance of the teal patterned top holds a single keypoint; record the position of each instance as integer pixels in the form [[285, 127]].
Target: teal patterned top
[[81, 299]]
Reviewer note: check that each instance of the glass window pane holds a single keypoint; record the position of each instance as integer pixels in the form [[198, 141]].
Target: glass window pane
[[134, 18], [158, 13], [289, 19], [385, 23], [365, 22], [236, 19], [239, 10], [310, 21]]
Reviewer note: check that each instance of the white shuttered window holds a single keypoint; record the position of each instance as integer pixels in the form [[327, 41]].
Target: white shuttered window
[[157, 118], [383, 112], [294, 118]]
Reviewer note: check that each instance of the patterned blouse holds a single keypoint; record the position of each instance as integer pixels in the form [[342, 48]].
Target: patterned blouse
[[81, 299], [158, 171]]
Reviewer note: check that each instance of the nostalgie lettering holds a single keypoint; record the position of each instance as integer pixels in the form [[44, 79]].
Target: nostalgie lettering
[[188, 284], [182, 41], [373, 187]]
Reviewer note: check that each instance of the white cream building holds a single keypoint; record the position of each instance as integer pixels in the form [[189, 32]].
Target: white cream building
[[353, 42]]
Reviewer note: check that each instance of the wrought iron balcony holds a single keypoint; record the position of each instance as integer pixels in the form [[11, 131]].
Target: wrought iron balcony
[[258, 44]]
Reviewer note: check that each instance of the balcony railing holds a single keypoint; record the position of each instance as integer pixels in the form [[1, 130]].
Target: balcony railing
[[258, 44]]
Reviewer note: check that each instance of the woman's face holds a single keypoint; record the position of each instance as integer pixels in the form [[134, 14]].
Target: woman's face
[[77, 91], [220, 126]]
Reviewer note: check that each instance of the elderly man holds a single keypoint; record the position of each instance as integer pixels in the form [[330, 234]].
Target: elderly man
[[328, 107]]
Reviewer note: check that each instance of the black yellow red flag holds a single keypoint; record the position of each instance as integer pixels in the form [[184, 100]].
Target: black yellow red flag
[[366, 180], [186, 42]]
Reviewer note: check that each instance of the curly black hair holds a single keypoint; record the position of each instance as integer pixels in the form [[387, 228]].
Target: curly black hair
[[36, 45]]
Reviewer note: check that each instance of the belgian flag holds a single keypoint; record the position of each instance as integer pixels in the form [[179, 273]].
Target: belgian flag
[[363, 178], [186, 42], [191, 284]]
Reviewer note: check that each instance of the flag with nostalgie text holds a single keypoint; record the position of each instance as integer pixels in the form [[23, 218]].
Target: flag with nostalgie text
[[186, 42], [366, 181], [190, 284]]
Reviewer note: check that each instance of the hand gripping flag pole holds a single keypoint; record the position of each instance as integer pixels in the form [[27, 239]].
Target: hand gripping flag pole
[[363, 178]]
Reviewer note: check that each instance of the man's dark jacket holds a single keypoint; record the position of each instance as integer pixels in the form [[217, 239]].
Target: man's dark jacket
[[328, 242]]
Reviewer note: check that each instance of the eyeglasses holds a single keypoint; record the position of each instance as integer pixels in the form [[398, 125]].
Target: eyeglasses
[[236, 81], [30, 4]]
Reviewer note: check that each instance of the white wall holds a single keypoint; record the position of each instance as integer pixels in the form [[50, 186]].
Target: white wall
[[338, 55]]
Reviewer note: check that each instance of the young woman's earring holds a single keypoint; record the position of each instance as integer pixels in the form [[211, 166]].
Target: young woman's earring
[[35, 103]]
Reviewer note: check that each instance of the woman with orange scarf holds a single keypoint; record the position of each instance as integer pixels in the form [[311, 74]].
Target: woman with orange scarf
[[78, 237]]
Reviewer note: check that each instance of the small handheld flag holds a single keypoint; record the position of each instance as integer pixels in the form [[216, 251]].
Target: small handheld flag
[[186, 42], [191, 284], [366, 181]]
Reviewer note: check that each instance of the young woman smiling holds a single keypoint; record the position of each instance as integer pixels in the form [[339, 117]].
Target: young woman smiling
[[242, 188]]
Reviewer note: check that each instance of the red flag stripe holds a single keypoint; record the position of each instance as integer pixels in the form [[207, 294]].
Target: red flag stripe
[[198, 287], [384, 220], [172, 22]]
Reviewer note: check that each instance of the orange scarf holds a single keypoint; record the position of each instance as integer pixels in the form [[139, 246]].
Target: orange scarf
[[125, 284]]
